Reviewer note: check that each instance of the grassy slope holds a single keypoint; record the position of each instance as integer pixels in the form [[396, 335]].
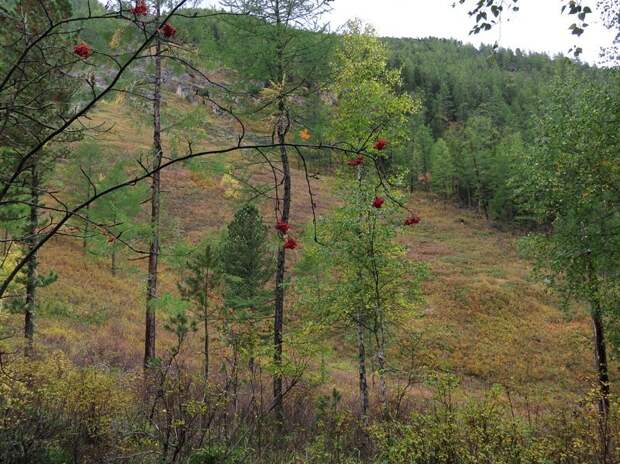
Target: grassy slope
[[484, 318]]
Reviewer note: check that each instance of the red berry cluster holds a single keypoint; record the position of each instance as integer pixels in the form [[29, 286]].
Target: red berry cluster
[[380, 144], [82, 50], [282, 227], [412, 220], [168, 30], [290, 243], [357, 161], [378, 202], [140, 9]]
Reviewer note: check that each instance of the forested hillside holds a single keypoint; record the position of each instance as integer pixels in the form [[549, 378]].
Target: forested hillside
[[235, 236]]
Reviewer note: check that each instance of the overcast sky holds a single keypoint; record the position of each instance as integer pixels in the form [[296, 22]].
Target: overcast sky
[[538, 26]]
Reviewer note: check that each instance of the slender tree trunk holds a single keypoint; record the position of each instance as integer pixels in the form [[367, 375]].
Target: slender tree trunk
[[379, 333], [86, 230], [151, 289], [205, 315], [282, 127], [113, 268], [363, 383], [87, 217], [361, 348], [31, 269], [600, 358], [280, 270], [482, 203], [5, 243], [113, 253], [381, 364]]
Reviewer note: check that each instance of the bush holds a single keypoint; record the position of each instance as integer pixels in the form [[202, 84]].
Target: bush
[[487, 432], [52, 411]]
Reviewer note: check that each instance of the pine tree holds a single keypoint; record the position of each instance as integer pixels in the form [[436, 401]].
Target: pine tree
[[116, 216], [442, 169], [247, 265], [202, 275], [38, 91], [82, 174], [275, 47]]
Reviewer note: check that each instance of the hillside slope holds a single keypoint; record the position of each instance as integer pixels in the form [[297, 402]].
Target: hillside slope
[[484, 320]]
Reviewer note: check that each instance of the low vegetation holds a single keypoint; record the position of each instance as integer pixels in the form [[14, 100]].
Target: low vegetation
[[233, 236]]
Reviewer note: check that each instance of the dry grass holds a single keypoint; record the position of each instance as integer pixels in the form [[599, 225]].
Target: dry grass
[[484, 318]]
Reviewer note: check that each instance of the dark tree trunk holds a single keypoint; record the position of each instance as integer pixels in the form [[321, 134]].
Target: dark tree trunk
[[361, 348], [600, 358], [113, 268], [151, 289], [280, 270], [5, 244], [205, 315], [31, 269], [113, 254], [86, 229], [482, 202], [282, 127], [363, 382]]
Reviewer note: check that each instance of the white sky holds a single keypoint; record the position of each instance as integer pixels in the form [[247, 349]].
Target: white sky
[[538, 26]]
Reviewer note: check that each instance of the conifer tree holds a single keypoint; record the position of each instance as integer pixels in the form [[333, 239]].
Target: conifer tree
[[275, 46], [39, 107], [246, 265], [202, 275], [442, 169], [84, 171], [116, 216]]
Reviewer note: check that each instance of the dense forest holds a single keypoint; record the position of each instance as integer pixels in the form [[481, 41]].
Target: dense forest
[[236, 235]]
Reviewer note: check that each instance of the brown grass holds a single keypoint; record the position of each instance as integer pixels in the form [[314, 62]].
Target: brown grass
[[484, 318]]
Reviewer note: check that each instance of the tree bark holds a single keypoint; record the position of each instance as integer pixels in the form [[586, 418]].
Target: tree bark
[[282, 127], [361, 348], [280, 270], [363, 382], [86, 229], [205, 315], [31, 269], [600, 358], [151, 290], [381, 364], [113, 268]]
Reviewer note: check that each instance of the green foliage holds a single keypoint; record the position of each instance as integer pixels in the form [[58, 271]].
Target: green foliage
[[357, 256], [270, 40], [367, 91], [247, 263], [488, 430], [334, 429], [572, 185], [115, 217], [443, 172], [54, 412], [201, 275]]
